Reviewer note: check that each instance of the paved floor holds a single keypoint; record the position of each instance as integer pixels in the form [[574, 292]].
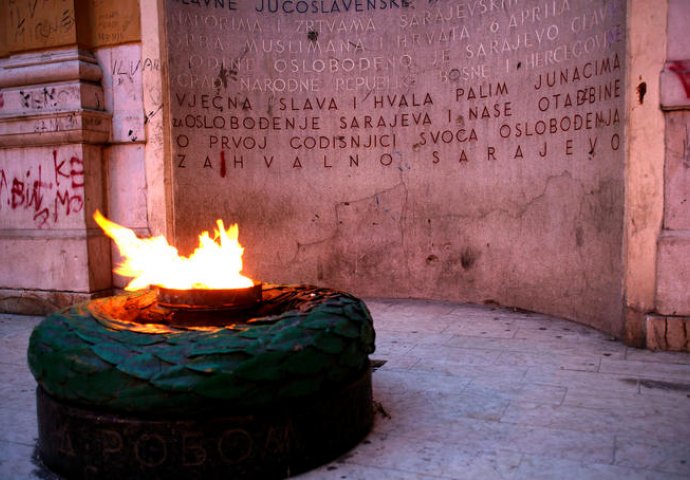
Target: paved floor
[[467, 392]]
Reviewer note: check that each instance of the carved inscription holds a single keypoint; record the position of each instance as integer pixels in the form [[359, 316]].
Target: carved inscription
[[470, 147], [304, 85], [39, 23], [32, 24], [184, 447], [113, 22]]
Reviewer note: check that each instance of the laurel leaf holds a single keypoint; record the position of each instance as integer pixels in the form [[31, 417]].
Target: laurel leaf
[[312, 339]]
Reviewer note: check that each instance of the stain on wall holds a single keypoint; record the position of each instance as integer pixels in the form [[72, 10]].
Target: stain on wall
[[682, 71]]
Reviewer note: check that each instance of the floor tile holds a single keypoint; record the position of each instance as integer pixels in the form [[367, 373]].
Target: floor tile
[[644, 369], [660, 456], [466, 391], [549, 468]]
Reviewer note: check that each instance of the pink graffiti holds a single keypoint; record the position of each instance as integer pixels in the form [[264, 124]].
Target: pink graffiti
[[46, 200], [2, 100], [682, 70]]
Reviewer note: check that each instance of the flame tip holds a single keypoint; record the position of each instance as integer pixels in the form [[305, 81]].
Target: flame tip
[[215, 263]]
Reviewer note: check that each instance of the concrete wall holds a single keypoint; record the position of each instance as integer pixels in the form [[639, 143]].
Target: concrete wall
[[482, 172]]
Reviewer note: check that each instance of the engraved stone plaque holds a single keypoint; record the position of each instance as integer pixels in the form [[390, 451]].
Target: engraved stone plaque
[[469, 150]]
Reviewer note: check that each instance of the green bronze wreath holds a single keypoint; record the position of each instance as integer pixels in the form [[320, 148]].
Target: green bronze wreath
[[306, 340]]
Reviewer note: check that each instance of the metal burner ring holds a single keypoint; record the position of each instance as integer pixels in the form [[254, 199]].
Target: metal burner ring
[[210, 299]]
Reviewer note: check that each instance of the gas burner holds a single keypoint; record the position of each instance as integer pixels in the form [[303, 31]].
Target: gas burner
[[259, 382], [204, 300]]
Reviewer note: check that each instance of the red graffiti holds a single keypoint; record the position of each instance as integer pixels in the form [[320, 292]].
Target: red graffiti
[[70, 203], [682, 71], [2, 100], [75, 176], [26, 194], [222, 164], [28, 191]]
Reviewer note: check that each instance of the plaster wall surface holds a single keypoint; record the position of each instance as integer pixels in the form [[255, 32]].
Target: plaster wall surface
[[461, 150]]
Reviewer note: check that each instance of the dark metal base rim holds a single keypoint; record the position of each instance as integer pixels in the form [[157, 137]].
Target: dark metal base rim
[[81, 443]]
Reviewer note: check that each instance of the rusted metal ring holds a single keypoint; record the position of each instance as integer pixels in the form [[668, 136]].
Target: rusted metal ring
[[210, 299]]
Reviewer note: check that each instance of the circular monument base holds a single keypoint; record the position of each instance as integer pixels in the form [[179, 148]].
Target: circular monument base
[[275, 442]]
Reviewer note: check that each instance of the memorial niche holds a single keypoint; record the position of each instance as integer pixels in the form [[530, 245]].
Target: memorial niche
[[363, 138]]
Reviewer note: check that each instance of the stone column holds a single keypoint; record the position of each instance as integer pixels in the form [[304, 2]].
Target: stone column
[[644, 200], [669, 327], [53, 124]]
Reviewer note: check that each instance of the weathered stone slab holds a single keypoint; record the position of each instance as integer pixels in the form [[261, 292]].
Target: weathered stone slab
[[42, 302], [51, 98], [675, 85], [678, 21], [122, 87], [42, 24], [127, 185], [34, 25], [126, 194], [677, 174], [71, 264], [673, 271], [108, 23], [668, 333], [48, 242], [467, 150], [49, 188]]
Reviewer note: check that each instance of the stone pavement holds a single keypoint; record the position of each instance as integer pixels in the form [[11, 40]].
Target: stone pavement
[[467, 392]]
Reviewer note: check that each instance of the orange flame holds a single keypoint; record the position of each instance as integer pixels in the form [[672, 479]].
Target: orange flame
[[215, 264]]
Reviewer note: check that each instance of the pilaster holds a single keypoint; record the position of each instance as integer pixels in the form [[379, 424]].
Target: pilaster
[[52, 125]]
